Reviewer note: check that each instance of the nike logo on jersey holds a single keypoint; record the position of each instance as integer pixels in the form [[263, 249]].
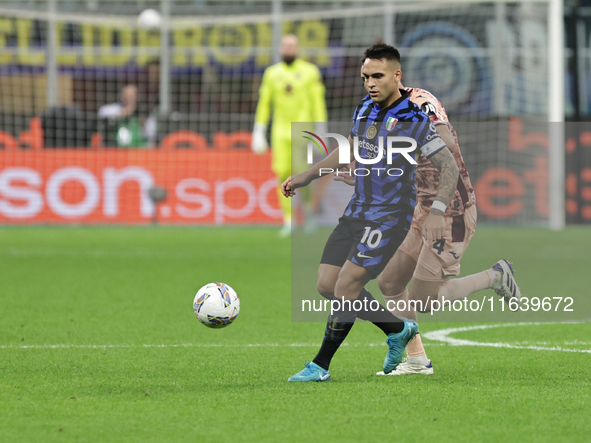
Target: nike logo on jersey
[[360, 255], [361, 117]]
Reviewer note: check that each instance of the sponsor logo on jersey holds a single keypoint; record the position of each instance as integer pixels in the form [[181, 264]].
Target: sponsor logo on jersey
[[370, 147]]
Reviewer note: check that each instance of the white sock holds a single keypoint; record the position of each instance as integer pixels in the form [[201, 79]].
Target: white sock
[[496, 279], [460, 288], [421, 360]]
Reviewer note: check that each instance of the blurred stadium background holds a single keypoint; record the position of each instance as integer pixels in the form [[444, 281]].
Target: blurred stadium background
[[494, 65]]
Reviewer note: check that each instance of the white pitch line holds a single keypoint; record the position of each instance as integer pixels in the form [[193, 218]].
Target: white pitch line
[[443, 336], [181, 345], [193, 345]]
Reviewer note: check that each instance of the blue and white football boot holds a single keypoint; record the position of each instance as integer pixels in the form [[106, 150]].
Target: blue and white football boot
[[397, 344], [311, 372]]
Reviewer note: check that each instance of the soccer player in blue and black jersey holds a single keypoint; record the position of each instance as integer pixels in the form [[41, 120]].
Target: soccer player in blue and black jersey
[[380, 212]]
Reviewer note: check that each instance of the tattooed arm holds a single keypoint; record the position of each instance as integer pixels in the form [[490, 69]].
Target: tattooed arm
[[434, 226]]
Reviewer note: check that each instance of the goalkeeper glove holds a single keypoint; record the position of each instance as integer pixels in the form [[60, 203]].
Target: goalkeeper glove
[[259, 143]]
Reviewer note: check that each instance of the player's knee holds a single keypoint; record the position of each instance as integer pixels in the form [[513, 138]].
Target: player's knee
[[347, 287], [389, 287], [325, 288]]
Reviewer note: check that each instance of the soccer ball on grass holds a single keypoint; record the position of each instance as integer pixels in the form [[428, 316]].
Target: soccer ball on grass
[[216, 305]]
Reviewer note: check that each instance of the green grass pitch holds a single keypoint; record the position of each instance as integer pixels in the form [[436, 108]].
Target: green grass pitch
[[132, 364]]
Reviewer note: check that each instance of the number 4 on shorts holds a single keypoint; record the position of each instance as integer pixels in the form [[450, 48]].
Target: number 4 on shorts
[[438, 245]]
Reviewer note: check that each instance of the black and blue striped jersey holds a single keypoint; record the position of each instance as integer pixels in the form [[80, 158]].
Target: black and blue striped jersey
[[385, 191]]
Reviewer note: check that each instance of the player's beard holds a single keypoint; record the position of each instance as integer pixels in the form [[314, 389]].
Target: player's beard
[[288, 59]]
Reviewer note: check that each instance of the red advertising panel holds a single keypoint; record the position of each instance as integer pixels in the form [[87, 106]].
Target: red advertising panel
[[111, 186]]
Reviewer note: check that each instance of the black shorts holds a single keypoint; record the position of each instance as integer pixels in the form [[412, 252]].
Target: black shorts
[[368, 244]]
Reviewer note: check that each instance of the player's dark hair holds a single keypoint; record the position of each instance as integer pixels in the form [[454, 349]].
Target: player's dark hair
[[380, 51]]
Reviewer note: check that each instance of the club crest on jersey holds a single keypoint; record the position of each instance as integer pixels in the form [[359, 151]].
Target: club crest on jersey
[[390, 123], [371, 132]]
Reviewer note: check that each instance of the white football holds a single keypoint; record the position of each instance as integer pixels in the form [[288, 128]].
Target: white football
[[149, 19], [216, 305]]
